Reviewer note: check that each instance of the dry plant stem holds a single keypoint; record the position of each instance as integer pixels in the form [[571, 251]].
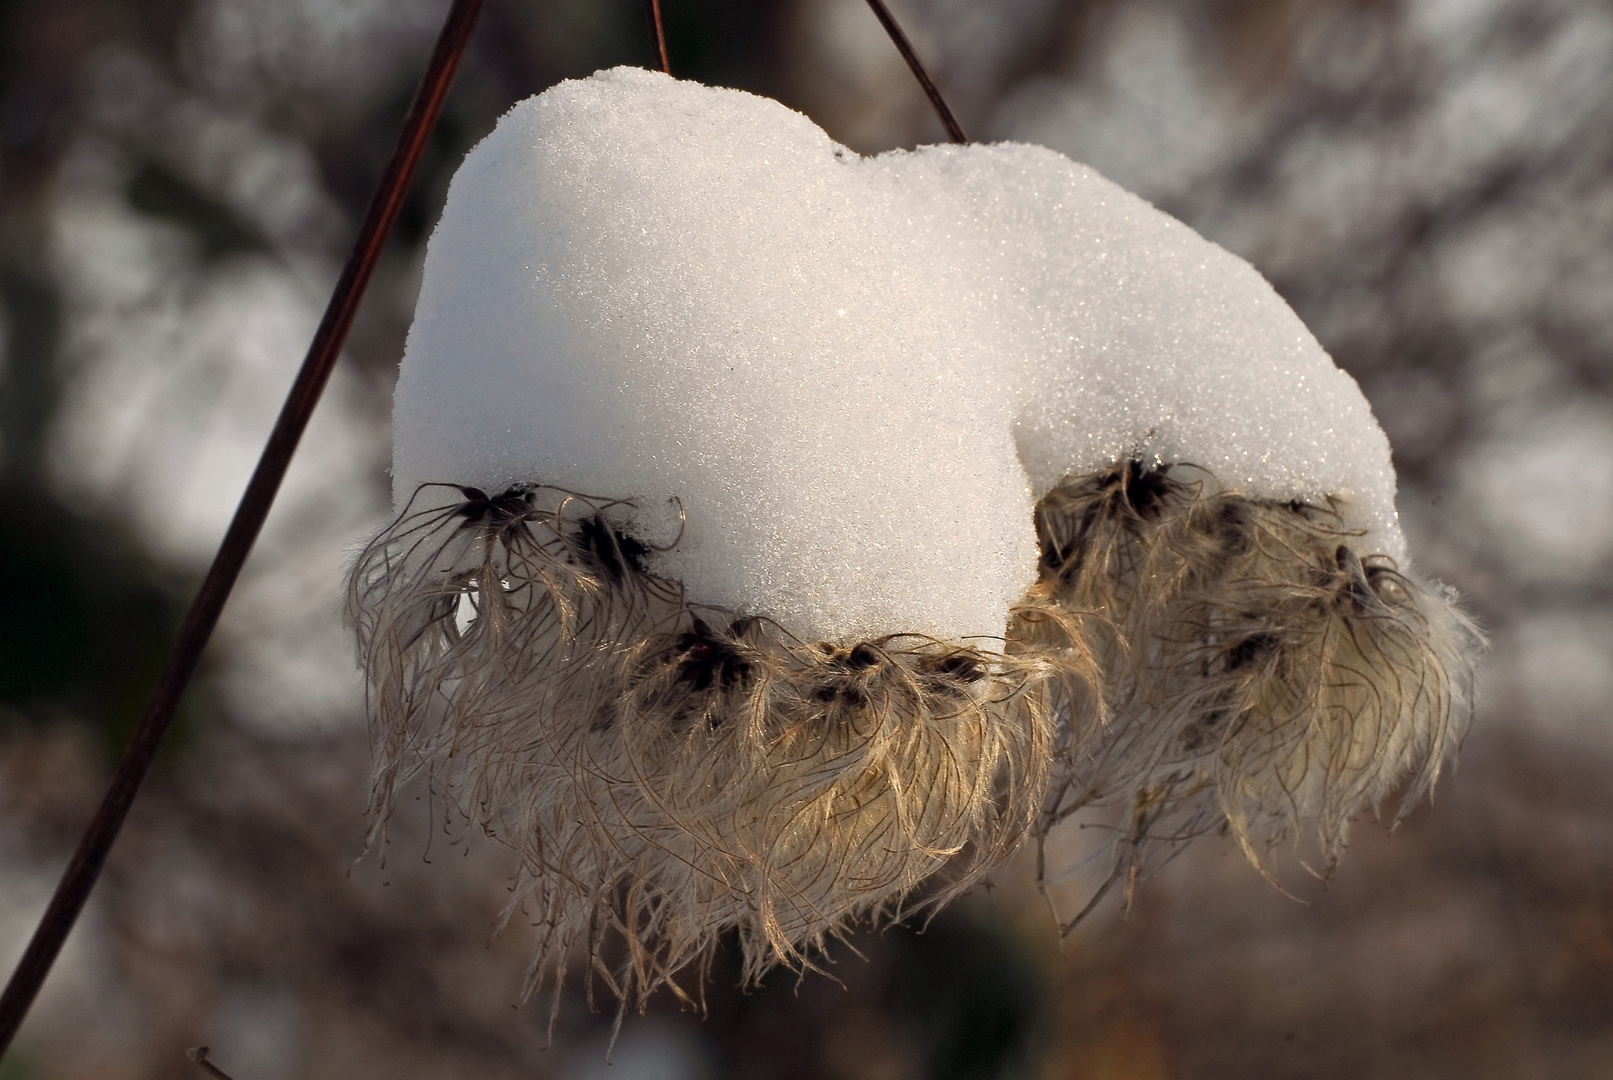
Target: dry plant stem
[[81, 874], [948, 121], [198, 1054], [657, 35]]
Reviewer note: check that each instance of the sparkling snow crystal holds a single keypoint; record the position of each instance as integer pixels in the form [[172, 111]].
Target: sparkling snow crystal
[[781, 530], [856, 375]]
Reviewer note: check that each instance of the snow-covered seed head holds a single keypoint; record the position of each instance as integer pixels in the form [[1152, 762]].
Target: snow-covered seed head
[[668, 773], [1259, 671], [888, 394]]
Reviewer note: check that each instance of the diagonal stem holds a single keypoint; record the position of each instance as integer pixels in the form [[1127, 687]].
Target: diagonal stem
[[199, 1055], [658, 35], [948, 121], [81, 873]]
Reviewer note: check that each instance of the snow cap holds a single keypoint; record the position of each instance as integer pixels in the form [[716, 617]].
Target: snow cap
[[855, 375]]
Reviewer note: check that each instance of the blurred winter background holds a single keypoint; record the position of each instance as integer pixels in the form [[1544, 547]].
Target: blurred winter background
[[1429, 182]]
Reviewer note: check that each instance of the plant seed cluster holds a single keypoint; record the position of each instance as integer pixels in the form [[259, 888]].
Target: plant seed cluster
[[667, 772]]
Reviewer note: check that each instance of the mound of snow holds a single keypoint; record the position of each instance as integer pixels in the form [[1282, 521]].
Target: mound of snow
[[855, 375]]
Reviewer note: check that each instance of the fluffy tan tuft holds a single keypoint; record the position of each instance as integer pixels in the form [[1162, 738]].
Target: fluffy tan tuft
[[1258, 670], [668, 773], [1191, 657]]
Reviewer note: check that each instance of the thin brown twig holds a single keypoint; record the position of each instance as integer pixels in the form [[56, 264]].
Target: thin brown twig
[[80, 876], [198, 1054], [658, 35], [948, 121]]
